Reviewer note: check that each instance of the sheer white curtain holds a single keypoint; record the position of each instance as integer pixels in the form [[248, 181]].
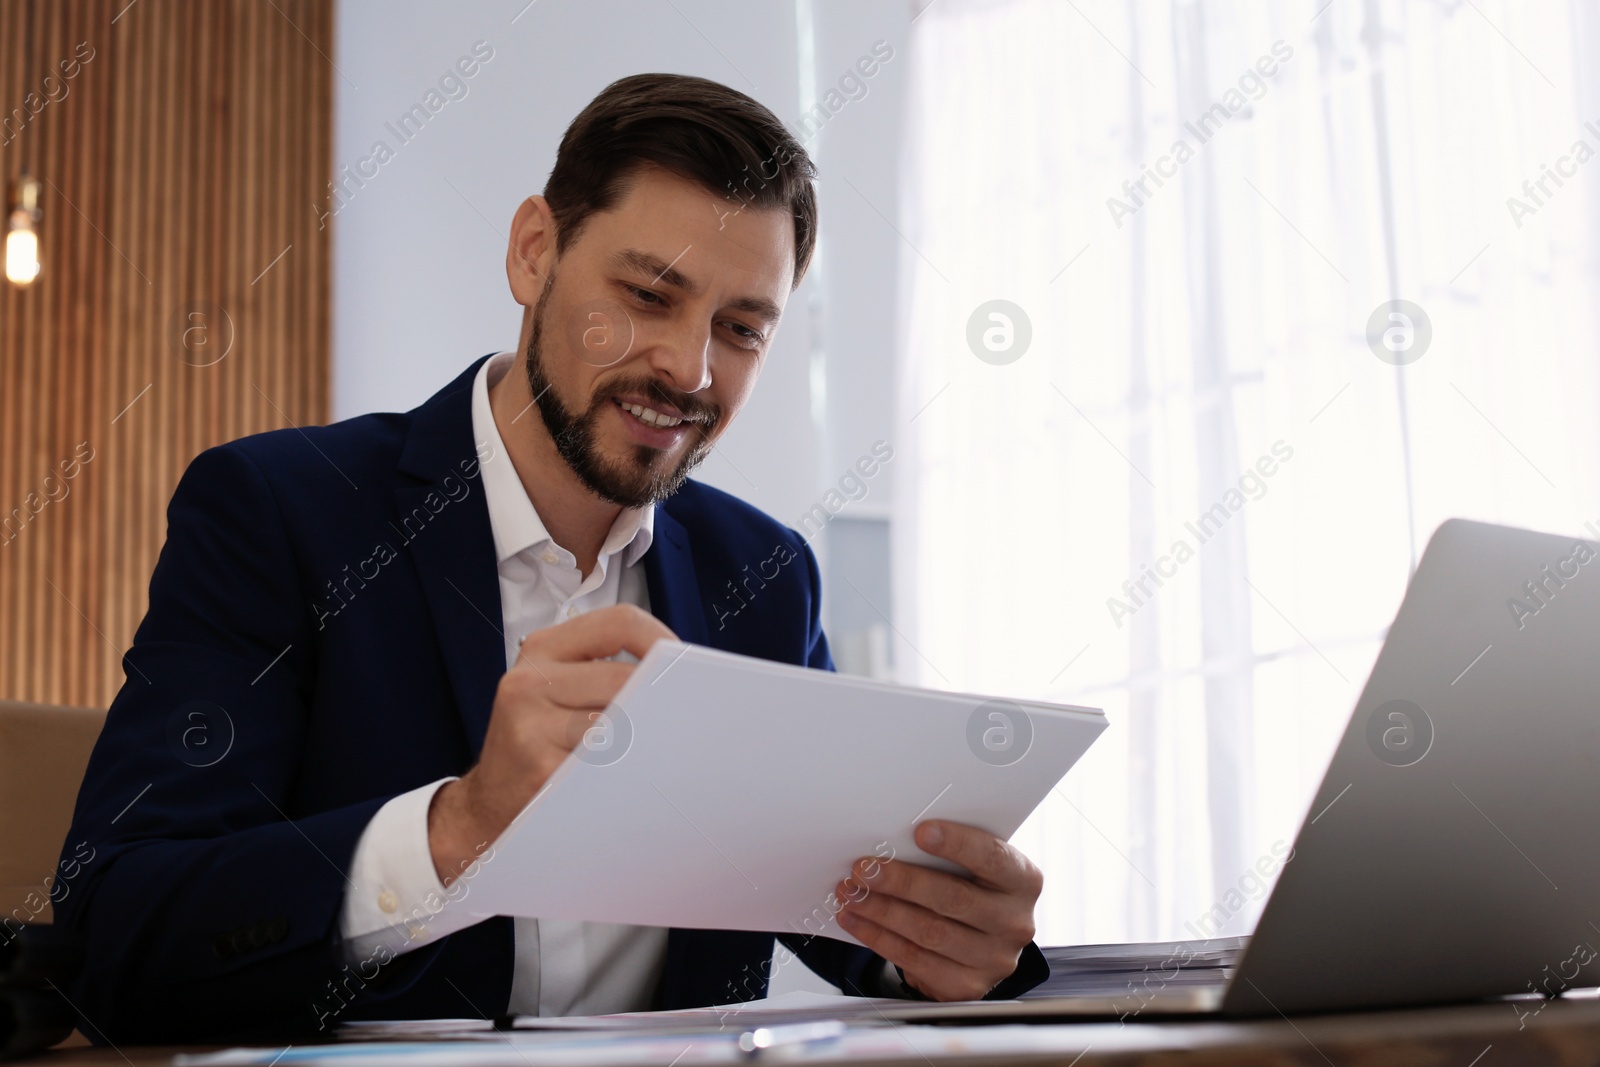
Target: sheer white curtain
[[1201, 348]]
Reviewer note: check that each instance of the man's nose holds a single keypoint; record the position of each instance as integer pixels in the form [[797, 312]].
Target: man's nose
[[684, 356]]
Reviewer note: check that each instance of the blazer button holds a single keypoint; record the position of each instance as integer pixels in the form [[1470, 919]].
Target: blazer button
[[222, 945], [278, 929]]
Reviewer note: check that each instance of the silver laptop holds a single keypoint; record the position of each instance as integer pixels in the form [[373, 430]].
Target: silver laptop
[[1453, 849]]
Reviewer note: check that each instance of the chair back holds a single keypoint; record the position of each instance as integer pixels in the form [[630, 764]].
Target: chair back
[[44, 751]]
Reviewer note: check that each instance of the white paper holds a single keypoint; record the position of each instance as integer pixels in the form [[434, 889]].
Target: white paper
[[793, 1007], [725, 792]]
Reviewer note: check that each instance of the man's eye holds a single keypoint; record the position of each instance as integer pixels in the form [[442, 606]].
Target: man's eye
[[644, 296], [745, 332]]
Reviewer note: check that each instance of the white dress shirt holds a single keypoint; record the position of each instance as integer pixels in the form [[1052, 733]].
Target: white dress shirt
[[561, 967]]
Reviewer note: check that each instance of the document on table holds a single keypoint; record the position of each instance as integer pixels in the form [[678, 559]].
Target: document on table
[[851, 1044], [724, 792]]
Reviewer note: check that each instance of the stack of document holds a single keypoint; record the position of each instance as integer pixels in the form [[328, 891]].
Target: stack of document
[[724, 792], [1091, 970]]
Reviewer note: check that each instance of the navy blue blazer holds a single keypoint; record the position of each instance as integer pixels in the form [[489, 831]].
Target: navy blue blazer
[[323, 634]]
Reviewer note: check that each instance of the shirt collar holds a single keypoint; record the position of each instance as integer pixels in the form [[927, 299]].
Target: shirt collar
[[512, 516]]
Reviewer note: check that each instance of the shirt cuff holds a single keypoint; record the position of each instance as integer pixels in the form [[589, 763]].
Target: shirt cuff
[[395, 896]]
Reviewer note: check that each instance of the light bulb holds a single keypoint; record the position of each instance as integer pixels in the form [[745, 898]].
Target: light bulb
[[22, 249], [22, 233]]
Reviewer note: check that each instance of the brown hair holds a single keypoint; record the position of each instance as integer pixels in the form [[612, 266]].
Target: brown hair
[[696, 128]]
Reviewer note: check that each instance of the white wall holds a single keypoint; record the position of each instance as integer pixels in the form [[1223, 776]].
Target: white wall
[[857, 150]]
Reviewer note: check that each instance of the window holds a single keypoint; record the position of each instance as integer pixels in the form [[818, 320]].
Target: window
[[1199, 215]]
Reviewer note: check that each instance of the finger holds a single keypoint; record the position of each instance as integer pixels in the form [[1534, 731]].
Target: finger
[[944, 894], [597, 635], [947, 937], [566, 685], [932, 974], [992, 861]]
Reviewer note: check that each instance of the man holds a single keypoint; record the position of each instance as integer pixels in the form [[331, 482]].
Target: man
[[369, 644]]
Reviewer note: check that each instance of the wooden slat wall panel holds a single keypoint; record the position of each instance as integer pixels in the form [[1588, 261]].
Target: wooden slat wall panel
[[183, 158]]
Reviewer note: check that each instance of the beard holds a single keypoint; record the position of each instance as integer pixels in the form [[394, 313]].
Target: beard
[[646, 476]]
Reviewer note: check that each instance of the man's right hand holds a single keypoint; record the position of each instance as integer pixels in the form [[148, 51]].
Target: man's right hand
[[542, 707]]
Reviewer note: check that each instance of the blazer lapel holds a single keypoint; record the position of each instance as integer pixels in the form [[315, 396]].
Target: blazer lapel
[[443, 521], [670, 578]]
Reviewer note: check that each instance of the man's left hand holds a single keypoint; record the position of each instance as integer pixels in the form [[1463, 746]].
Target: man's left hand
[[955, 938]]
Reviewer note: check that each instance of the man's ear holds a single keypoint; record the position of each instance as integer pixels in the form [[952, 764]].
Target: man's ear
[[531, 251]]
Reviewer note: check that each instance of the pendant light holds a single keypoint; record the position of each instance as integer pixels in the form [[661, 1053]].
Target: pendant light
[[22, 218], [22, 232]]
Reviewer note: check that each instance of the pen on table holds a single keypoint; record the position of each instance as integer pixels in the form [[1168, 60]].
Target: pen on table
[[765, 1040]]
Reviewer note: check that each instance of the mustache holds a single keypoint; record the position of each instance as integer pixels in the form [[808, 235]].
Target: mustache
[[705, 415]]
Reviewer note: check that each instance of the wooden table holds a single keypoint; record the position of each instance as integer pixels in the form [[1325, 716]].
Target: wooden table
[[1563, 1032]]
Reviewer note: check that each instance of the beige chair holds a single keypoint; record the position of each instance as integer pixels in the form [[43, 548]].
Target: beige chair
[[43, 753]]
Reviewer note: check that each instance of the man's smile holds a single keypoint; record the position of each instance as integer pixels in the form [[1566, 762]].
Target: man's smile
[[659, 426]]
